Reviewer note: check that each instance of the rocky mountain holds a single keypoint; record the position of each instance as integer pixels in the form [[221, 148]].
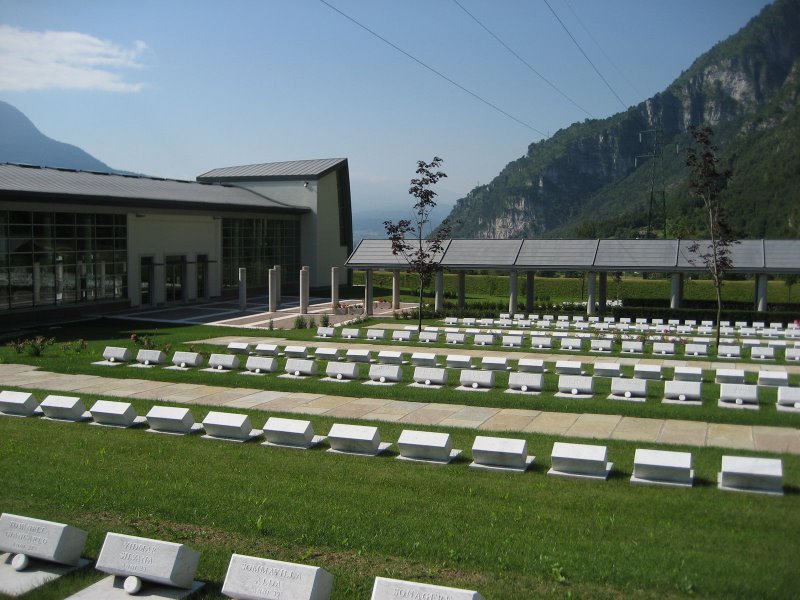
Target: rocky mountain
[[22, 142], [586, 181]]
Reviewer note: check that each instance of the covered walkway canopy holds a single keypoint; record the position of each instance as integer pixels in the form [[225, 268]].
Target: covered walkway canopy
[[757, 257]]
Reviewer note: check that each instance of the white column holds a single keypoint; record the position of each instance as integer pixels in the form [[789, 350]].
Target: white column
[[273, 290], [334, 287], [396, 289], [462, 289], [242, 288], [438, 302], [368, 292], [676, 291], [761, 293], [590, 294], [304, 277], [512, 292], [529, 291], [278, 284], [602, 292]]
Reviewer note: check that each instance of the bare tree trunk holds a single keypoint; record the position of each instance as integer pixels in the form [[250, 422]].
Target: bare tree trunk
[[419, 310], [719, 309]]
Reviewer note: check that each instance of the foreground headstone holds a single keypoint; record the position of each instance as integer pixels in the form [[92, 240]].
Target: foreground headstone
[[350, 333], [730, 376], [429, 377], [358, 355], [773, 378], [662, 467], [390, 357], [512, 341], [384, 374], [344, 371], [683, 392], [632, 347], [395, 589], [749, 474], [64, 408], [113, 356], [326, 354], [531, 365], [569, 367], [696, 349], [34, 552], [376, 334], [476, 380], [633, 390], [222, 363], [541, 342], [258, 365], [484, 339], [607, 370], [458, 361], [266, 349], [788, 399], [423, 359], [17, 404], [355, 439], [688, 374], [429, 337], [171, 419], [185, 360], [426, 446], [325, 332], [149, 358], [494, 363], [230, 427], [115, 414], [401, 336], [290, 433], [296, 352], [501, 454], [735, 395], [663, 348], [575, 386], [300, 367], [525, 383], [729, 351], [571, 344], [580, 460], [455, 338], [252, 578], [641, 371], [600, 345]]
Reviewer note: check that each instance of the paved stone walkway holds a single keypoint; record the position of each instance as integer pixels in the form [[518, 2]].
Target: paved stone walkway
[[612, 427]]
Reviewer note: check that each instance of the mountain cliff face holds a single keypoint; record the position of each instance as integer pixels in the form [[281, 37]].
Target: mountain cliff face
[[586, 181], [22, 142]]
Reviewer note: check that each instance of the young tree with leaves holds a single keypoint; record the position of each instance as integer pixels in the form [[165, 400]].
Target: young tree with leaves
[[414, 240], [707, 182]]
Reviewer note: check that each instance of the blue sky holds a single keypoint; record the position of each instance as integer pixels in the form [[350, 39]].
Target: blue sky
[[174, 88]]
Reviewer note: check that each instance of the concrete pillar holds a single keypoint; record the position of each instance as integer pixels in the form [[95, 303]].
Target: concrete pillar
[[278, 284], [101, 279], [761, 293], [37, 283], [676, 291], [305, 274], [334, 287], [512, 292], [273, 290], [591, 293], [602, 292], [396, 289], [462, 290], [368, 292], [438, 302], [242, 288], [529, 291]]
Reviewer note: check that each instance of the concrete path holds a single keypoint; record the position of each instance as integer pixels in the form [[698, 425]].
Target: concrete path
[[611, 427]]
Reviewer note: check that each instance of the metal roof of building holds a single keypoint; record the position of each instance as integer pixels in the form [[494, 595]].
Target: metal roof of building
[[288, 170], [57, 185], [748, 256]]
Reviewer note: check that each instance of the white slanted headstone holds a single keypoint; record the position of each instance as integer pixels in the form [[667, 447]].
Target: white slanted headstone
[[148, 358], [239, 348], [54, 547], [423, 359], [184, 360], [762, 353], [171, 419], [634, 390], [737, 395], [395, 589], [290, 433], [580, 460], [426, 446], [745, 473], [222, 362], [641, 371], [17, 404], [632, 347], [326, 354], [266, 349], [355, 439], [530, 383], [115, 414], [429, 337], [575, 386], [569, 367], [261, 364], [662, 467], [730, 376], [512, 341], [351, 333], [688, 374], [663, 348], [773, 378], [484, 339], [401, 336], [385, 374], [251, 578], [113, 355], [729, 351], [458, 361], [571, 344], [502, 454], [358, 355], [64, 408], [476, 380], [344, 371], [296, 352], [601, 346], [390, 357], [494, 363], [376, 334], [607, 370], [455, 338], [300, 367], [325, 332], [541, 342], [788, 399], [696, 349], [229, 426], [683, 392], [531, 365], [430, 376]]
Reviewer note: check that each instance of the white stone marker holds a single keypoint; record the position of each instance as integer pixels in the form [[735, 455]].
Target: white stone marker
[[266, 349], [737, 395], [531, 365], [607, 370], [251, 578], [762, 353], [662, 467], [376, 334], [426, 446], [296, 352], [571, 344], [355, 439], [484, 339], [541, 342], [239, 348], [455, 338], [749, 474], [149, 358], [633, 390], [229, 427], [688, 374], [343, 371], [683, 392], [695, 349], [458, 361], [17, 404], [663, 348], [326, 354], [351, 333], [793, 354], [730, 376], [136, 560], [525, 383], [494, 363], [222, 363], [185, 360], [575, 386], [115, 414], [600, 345], [390, 357], [512, 341], [395, 589], [325, 332], [401, 336], [429, 376], [729, 351], [569, 367], [428, 337], [358, 355], [172, 420], [113, 355], [64, 408], [476, 380], [290, 433], [501, 454], [773, 378], [788, 399], [23, 538], [257, 365], [299, 367], [632, 347], [580, 460], [384, 374], [647, 371], [423, 359]]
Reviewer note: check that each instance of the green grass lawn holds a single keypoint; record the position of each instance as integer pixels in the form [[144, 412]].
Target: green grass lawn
[[508, 536]]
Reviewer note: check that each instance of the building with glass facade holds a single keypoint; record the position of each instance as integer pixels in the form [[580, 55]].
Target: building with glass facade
[[74, 238]]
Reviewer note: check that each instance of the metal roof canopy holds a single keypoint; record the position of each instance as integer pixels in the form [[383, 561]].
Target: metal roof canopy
[[670, 256], [64, 185], [293, 170]]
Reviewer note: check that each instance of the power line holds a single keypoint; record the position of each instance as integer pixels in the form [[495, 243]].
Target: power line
[[522, 60], [586, 56], [432, 70]]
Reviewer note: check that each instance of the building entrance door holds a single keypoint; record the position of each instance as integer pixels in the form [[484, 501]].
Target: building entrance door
[[146, 281], [202, 277], [175, 277]]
